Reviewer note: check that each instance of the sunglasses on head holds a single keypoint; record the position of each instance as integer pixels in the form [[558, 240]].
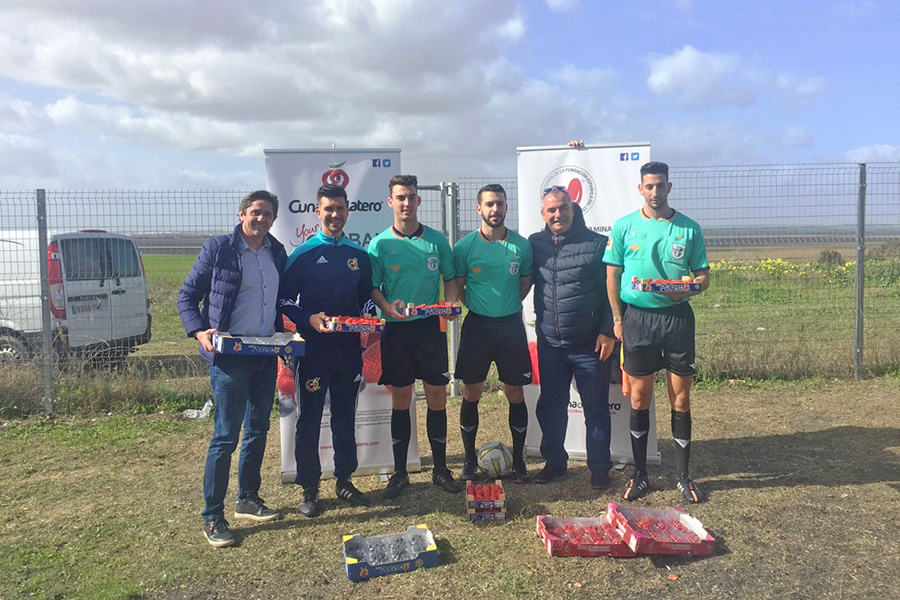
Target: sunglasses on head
[[555, 188]]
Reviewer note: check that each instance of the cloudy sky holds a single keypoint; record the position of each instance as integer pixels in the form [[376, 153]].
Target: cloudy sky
[[175, 94]]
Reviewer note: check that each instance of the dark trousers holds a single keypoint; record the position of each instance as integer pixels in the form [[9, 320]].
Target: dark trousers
[[336, 371], [557, 367]]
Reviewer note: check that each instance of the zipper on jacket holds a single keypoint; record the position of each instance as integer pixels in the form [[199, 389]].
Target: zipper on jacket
[[556, 311]]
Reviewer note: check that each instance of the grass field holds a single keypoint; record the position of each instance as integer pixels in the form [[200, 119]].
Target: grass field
[[771, 322], [804, 481], [763, 317]]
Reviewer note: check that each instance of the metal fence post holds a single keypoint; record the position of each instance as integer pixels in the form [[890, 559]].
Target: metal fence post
[[860, 270], [450, 193], [46, 323]]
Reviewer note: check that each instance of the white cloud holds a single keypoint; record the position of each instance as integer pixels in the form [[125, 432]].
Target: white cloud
[[20, 117], [562, 5], [513, 29], [429, 78], [703, 80], [874, 153], [853, 10], [801, 87], [700, 79], [684, 5], [794, 137]]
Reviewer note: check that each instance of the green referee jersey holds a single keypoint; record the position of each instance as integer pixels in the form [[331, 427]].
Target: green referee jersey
[[647, 248], [410, 268], [492, 270]]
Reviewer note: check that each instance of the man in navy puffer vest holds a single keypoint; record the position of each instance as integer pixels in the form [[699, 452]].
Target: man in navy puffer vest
[[575, 334], [236, 277]]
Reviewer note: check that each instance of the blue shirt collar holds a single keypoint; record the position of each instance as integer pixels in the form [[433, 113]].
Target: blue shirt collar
[[243, 247]]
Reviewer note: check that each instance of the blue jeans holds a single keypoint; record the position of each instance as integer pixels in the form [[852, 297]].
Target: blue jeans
[[244, 391], [336, 371], [557, 367]]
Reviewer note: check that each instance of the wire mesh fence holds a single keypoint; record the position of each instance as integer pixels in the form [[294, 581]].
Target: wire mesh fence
[[782, 242]]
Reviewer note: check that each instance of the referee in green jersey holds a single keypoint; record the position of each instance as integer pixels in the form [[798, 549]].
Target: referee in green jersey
[[656, 329], [493, 274], [409, 261]]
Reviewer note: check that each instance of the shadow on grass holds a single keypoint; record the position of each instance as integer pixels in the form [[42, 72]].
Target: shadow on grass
[[839, 456]]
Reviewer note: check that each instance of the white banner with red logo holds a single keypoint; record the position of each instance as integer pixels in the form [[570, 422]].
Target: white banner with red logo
[[603, 180], [295, 176]]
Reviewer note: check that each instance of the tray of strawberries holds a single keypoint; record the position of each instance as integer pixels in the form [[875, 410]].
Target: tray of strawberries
[[355, 324], [485, 501], [661, 531], [592, 536]]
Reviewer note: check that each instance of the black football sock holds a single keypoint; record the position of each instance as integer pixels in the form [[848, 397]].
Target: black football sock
[[681, 431], [436, 427], [400, 434], [639, 423], [518, 426], [468, 425]]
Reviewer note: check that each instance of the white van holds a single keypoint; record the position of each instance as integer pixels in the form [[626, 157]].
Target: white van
[[99, 299]]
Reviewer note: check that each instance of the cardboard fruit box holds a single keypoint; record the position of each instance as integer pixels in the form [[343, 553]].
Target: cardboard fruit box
[[355, 325], [280, 344], [479, 508], [593, 536], [661, 531], [413, 549], [443, 309], [685, 284]]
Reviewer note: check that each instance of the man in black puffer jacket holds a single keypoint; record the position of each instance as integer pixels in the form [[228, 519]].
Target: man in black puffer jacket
[[575, 334]]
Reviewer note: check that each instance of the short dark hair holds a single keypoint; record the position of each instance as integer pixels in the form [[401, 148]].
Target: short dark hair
[[492, 187], [331, 190], [655, 168], [259, 195], [404, 180]]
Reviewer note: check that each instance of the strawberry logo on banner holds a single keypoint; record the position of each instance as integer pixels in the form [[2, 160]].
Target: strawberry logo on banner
[[335, 174], [578, 182]]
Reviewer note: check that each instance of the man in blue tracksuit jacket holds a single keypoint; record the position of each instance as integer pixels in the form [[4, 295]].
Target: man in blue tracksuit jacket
[[327, 274], [233, 287]]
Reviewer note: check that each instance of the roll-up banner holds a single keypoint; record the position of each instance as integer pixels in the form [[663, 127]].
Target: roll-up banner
[[295, 176], [603, 180]]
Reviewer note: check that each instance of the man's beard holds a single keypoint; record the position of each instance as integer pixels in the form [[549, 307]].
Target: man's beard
[[491, 225]]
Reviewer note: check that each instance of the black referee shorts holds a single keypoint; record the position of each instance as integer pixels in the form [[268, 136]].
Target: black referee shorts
[[413, 350], [493, 339], [661, 338]]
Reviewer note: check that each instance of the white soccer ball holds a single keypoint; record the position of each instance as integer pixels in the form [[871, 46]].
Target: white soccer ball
[[495, 459]]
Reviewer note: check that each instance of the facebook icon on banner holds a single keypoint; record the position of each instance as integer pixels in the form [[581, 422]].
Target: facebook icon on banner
[[376, 162], [623, 156]]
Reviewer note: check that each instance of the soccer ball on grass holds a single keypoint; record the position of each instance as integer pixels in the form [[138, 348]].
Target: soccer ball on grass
[[495, 459]]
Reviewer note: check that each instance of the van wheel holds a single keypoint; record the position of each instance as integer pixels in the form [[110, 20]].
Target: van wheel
[[12, 350]]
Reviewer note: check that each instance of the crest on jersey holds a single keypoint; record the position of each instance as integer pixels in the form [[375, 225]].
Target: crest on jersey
[[432, 263], [514, 267], [353, 264], [312, 385], [677, 251]]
